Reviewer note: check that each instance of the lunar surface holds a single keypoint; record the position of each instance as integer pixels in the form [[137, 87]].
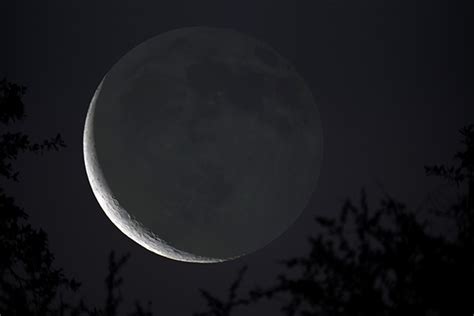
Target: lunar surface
[[202, 144]]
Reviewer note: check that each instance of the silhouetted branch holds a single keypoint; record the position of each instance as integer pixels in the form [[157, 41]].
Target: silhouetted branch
[[463, 211], [11, 104], [140, 311], [113, 282], [12, 144], [218, 307]]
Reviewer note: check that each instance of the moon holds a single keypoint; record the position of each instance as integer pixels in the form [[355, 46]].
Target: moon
[[202, 144]]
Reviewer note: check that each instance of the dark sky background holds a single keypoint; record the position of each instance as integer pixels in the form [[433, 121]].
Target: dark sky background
[[393, 81]]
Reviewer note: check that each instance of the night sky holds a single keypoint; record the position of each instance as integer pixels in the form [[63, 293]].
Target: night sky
[[393, 81]]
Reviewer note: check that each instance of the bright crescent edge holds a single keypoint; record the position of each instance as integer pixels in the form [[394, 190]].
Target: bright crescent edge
[[115, 212]]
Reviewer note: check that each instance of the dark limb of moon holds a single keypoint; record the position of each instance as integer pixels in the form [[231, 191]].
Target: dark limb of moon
[[202, 144]]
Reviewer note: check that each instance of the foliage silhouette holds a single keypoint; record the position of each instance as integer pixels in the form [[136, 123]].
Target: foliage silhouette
[[218, 307], [30, 283], [382, 261], [366, 261]]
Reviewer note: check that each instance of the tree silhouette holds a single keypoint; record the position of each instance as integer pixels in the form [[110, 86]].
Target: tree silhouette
[[217, 307], [30, 283], [462, 173], [380, 261]]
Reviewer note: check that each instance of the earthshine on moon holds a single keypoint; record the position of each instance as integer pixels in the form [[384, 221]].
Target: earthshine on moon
[[202, 144]]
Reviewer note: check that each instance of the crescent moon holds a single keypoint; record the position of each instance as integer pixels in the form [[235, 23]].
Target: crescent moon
[[202, 145], [115, 212]]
